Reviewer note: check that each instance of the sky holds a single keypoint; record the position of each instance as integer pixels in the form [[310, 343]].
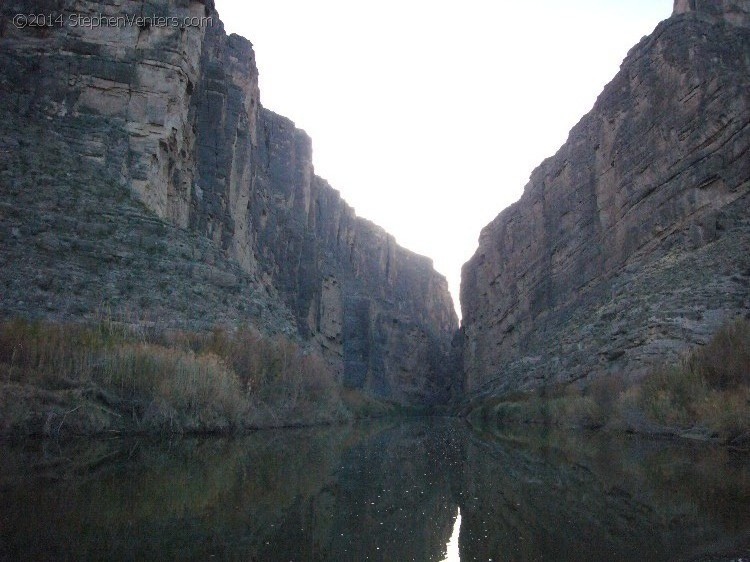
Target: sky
[[427, 115]]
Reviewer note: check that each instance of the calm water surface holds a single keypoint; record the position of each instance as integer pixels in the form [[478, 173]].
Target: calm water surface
[[417, 490]]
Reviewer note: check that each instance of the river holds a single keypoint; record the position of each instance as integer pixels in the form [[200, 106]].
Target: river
[[430, 489]]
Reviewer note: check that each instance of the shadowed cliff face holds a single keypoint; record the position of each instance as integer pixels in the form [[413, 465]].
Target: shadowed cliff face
[[369, 302], [631, 243], [156, 133]]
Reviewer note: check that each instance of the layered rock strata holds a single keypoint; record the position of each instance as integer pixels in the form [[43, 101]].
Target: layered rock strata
[[632, 243], [126, 122]]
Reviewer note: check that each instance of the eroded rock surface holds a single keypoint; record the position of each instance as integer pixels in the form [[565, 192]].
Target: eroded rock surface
[[141, 174], [631, 243]]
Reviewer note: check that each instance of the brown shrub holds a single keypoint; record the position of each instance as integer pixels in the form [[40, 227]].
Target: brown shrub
[[189, 383], [710, 387], [725, 361], [200, 380], [669, 395]]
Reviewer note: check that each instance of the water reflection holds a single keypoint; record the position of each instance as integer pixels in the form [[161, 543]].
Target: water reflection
[[374, 492], [451, 549]]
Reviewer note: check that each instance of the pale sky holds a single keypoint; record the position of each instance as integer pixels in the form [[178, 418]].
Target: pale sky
[[429, 116]]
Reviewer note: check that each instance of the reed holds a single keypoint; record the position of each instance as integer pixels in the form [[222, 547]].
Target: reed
[[706, 393], [176, 381]]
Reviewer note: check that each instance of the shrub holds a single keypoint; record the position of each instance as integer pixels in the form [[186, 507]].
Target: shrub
[[709, 388], [669, 394], [47, 352], [195, 380], [199, 386], [725, 361]]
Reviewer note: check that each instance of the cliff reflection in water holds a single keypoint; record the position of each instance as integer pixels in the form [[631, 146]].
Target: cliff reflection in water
[[374, 492]]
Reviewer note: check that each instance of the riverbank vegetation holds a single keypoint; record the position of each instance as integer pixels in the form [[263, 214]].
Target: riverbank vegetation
[[705, 396], [113, 377]]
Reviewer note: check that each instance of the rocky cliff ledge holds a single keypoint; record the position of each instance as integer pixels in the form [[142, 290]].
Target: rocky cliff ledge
[[633, 241], [140, 174]]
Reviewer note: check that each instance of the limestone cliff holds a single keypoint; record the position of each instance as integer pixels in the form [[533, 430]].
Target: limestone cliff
[[633, 241], [141, 174]]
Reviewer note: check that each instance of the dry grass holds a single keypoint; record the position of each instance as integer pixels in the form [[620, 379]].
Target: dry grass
[[283, 382], [707, 392], [670, 395], [710, 387], [725, 362], [169, 381], [177, 385], [38, 353]]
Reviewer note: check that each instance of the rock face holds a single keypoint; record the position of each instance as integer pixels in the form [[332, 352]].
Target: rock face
[[366, 300], [140, 168], [633, 241]]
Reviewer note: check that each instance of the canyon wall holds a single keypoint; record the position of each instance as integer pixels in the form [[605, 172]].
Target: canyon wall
[[632, 242], [141, 174]]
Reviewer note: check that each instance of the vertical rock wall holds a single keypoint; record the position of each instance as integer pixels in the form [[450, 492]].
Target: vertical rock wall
[[377, 309], [631, 243], [120, 94], [171, 114]]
